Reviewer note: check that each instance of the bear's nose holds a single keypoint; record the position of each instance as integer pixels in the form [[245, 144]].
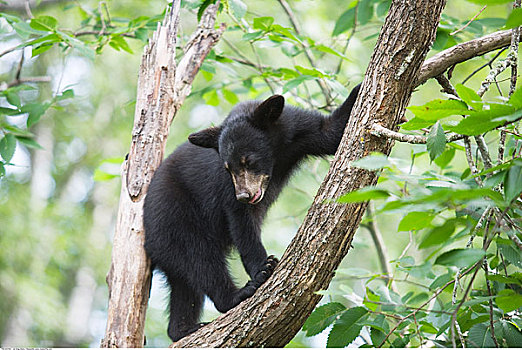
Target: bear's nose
[[243, 196]]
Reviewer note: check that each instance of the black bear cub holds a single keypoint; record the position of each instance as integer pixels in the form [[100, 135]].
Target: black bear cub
[[213, 192]]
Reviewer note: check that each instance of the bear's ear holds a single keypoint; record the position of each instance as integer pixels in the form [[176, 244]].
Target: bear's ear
[[268, 111], [207, 138]]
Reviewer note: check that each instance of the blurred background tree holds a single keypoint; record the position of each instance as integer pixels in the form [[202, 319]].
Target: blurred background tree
[[68, 73]]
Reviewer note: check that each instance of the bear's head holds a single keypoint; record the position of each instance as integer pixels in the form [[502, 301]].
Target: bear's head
[[245, 145]]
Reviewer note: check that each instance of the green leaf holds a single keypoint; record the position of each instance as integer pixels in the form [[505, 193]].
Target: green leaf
[[292, 84], [441, 280], [142, 34], [516, 99], [438, 235], [29, 142], [345, 22], [13, 98], [35, 111], [253, 35], [373, 161], [438, 109], [479, 336], [69, 93], [230, 96], [512, 255], [445, 158], [364, 11], [508, 300], [513, 183], [515, 19], [479, 122], [7, 147], [39, 49], [415, 220], [100, 176], [460, 257], [436, 141], [347, 327], [44, 23], [363, 195], [503, 279], [416, 123], [322, 317], [211, 97], [2, 169], [469, 96], [512, 334], [327, 49], [238, 8], [118, 42], [263, 23]]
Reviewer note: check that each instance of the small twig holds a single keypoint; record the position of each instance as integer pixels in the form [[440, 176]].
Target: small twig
[[382, 252], [471, 163], [499, 68], [454, 315], [417, 329], [484, 153], [488, 64], [104, 26], [16, 82], [308, 53], [469, 22], [17, 47], [28, 9], [446, 85], [485, 267], [20, 65], [381, 131]]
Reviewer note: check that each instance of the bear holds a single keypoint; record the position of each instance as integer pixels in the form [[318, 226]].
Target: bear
[[213, 192]]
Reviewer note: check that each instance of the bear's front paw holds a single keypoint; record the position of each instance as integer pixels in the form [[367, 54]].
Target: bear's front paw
[[266, 271]]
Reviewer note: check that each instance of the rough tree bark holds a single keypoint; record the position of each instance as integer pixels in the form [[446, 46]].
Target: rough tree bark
[[163, 85], [279, 308]]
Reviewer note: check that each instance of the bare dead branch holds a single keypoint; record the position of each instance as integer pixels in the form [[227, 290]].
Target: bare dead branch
[[163, 85]]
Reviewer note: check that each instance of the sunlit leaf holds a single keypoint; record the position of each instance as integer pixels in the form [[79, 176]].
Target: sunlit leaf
[[460, 257], [322, 317], [436, 141], [345, 22], [416, 220], [7, 147], [347, 327], [438, 235], [363, 195]]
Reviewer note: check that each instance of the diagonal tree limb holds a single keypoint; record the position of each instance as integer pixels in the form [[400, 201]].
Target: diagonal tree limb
[[277, 311]]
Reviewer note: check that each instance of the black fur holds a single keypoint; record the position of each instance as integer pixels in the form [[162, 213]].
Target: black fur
[[192, 216]]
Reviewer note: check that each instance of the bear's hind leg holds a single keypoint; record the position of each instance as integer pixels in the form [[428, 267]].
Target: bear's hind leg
[[185, 309]]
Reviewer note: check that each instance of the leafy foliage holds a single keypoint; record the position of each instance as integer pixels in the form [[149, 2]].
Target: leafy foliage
[[429, 202], [463, 219]]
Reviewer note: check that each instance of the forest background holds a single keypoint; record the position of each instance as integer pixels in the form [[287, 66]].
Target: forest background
[[68, 73]]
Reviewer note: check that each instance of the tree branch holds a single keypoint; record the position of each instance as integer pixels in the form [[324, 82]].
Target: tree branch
[[380, 131], [277, 311], [440, 62]]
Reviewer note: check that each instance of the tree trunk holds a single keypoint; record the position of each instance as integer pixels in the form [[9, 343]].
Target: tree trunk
[[273, 316], [162, 88]]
